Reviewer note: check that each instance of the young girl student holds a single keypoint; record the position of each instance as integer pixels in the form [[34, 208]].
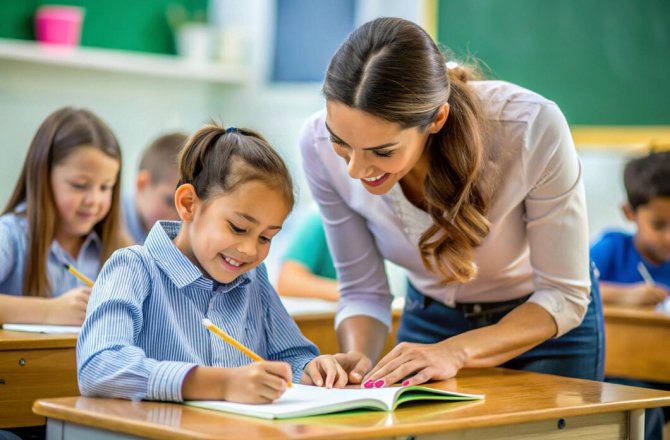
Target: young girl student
[[64, 210], [143, 338]]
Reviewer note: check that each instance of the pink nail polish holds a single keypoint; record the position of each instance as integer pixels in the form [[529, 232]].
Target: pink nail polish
[[405, 383], [379, 383], [368, 384]]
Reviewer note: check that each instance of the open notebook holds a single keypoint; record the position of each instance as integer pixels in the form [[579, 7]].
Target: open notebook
[[303, 400]]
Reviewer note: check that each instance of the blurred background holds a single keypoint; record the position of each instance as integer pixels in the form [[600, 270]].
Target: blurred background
[[154, 66]]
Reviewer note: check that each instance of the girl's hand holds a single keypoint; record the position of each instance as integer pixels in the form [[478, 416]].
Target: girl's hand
[[324, 371], [416, 364], [258, 382], [68, 308]]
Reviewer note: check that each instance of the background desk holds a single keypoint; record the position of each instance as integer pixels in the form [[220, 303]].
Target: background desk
[[320, 329], [518, 405], [34, 365], [637, 343], [316, 320]]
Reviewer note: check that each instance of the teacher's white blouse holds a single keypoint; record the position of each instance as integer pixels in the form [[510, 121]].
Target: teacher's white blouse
[[538, 240]]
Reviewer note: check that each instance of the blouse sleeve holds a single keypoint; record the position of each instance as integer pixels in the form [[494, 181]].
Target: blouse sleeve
[[360, 269], [556, 221]]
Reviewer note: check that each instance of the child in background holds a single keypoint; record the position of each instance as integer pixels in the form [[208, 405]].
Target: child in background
[[617, 256], [64, 210], [307, 268], [143, 338], [153, 198]]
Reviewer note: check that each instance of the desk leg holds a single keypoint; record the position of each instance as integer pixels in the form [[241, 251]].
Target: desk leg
[[54, 429], [636, 424], [60, 430]]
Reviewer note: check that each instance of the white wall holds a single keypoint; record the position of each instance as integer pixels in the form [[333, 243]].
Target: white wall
[[605, 193]]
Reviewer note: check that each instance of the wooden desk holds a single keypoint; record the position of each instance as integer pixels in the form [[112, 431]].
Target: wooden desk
[[34, 365], [637, 343], [320, 329], [518, 405]]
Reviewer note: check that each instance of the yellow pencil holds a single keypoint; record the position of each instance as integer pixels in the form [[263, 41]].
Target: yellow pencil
[[232, 341], [80, 276]]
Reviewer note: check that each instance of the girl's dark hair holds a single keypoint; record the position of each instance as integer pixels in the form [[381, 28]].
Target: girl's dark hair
[[216, 160], [63, 132], [646, 178], [391, 68]]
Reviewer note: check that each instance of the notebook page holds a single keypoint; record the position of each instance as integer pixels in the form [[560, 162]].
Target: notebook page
[[302, 400]]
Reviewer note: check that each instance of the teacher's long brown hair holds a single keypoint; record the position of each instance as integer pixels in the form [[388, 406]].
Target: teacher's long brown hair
[[391, 68]]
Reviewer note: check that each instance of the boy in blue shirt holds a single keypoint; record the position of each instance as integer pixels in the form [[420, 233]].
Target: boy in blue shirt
[[617, 254]]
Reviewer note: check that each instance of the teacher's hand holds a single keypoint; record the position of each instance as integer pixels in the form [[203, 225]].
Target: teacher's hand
[[355, 364], [418, 363]]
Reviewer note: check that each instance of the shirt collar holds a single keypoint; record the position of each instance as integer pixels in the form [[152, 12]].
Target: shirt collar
[[91, 241], [178, 268]]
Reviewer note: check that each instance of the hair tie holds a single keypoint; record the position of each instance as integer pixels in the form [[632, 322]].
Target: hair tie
[[232, 130]]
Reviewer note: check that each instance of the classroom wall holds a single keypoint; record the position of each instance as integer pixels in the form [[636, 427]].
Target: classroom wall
[[139, 108]]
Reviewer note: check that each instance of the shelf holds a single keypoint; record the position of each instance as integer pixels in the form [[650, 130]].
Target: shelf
[[108, 60]]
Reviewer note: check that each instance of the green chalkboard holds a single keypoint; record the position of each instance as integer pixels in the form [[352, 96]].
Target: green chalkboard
[[138, 25], [605, 62]]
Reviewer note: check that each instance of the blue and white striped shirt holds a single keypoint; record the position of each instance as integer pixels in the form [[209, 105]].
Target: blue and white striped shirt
[[13, 254], [143, 331]]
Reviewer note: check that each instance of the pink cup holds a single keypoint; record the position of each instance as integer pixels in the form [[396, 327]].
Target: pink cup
[[59, 25]]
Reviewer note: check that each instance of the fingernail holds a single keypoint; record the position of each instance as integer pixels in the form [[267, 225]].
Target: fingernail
[[356, 376], [405, 382], [319, 383], [369, 384], [379, 383]]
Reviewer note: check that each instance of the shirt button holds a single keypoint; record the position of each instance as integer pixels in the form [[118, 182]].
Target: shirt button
[[477, 308]]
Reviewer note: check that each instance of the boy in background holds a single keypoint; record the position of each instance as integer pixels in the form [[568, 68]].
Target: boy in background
[[618, 254], [635, 268], [153, 198]]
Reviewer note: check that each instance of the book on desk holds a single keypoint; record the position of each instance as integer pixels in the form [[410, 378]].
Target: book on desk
[[304, 400]]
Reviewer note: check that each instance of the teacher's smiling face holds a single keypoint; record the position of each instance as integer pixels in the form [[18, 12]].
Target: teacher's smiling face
[[378, 152]]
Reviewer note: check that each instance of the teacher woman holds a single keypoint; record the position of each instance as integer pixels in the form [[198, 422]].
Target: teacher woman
[[475, 188]]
